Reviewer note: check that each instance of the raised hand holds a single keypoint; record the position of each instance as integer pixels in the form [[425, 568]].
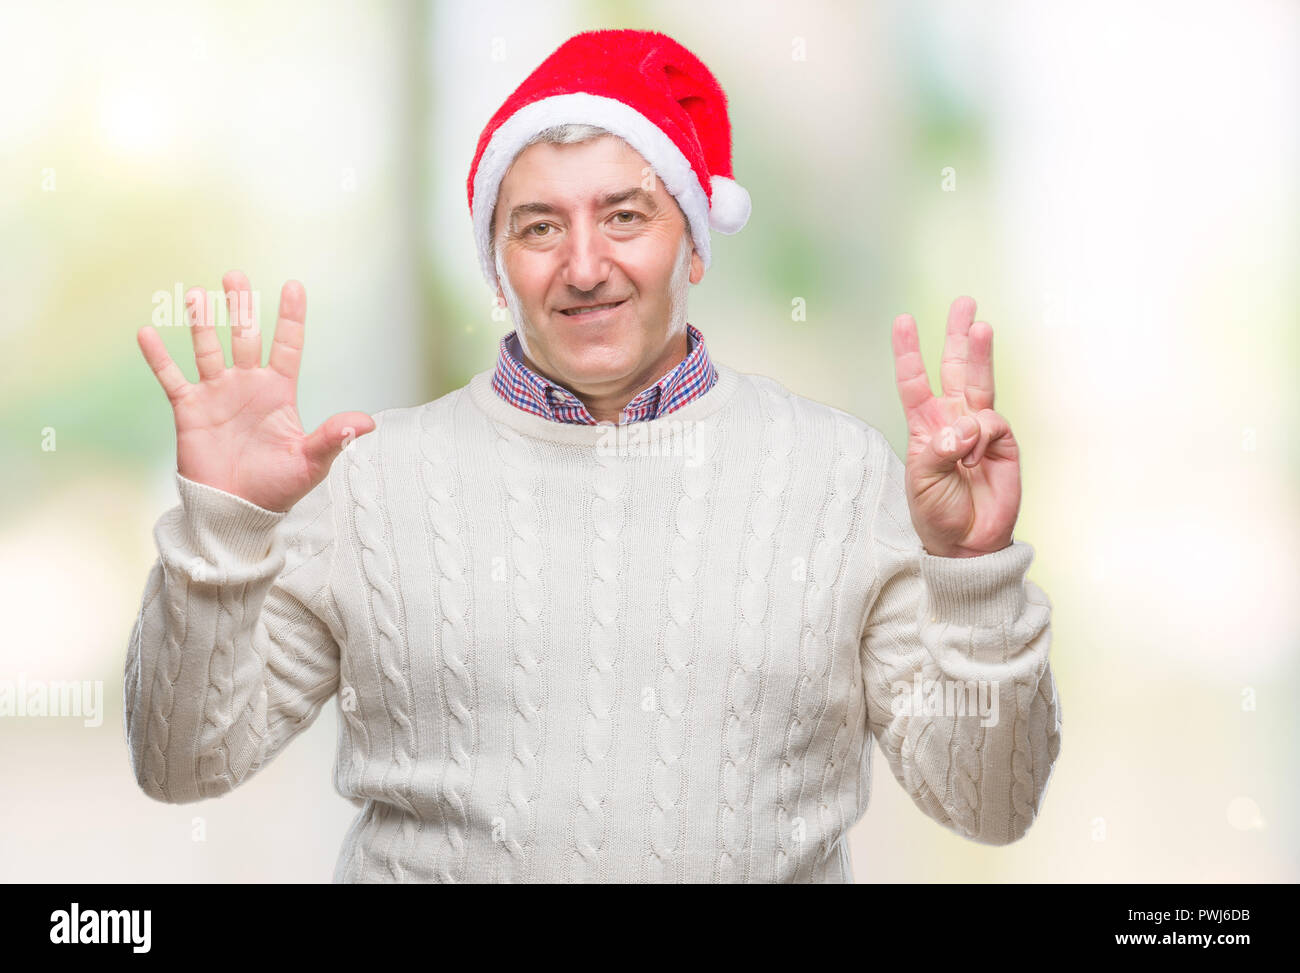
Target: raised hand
[[238, 429], [963, 464]]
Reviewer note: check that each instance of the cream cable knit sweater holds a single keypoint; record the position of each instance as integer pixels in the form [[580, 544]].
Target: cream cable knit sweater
[[557, 661]]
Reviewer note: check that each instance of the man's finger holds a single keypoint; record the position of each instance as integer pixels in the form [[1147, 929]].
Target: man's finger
[[946, 448], [169, 376], [333, 435], [952, 369], [909, 367], [208, 354], [979, 367], [992, 429], [286, 345], [245, 339]]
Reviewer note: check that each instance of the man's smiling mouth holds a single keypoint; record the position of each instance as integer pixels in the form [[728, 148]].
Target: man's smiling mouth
[[577, 312]]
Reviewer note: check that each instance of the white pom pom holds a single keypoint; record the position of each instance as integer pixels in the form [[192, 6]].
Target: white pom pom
[[729, 210]]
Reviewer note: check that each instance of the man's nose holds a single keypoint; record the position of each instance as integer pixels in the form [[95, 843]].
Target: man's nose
[[587, 258]]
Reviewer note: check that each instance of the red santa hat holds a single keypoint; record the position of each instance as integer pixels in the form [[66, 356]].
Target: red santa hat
[[647, 89]]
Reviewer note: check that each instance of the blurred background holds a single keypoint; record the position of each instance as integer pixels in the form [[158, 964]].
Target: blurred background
[[1113, 182]]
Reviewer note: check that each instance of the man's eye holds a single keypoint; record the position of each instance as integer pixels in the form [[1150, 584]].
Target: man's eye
[[535, 226], [625, 213]]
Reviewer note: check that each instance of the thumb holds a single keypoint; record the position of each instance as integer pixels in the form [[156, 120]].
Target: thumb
[[325, 444], [949, 445]]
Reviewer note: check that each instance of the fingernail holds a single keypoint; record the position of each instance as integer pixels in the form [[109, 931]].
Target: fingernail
[[965, 426]]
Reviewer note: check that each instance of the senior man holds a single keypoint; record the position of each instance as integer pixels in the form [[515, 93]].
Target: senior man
[[563, 652]]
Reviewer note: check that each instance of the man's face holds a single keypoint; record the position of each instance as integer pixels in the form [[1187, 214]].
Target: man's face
[[575, 225]]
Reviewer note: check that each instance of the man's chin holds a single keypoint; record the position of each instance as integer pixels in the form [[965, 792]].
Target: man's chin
[[590, 374]]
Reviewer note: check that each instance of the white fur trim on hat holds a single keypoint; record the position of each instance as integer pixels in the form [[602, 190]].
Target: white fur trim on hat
[[622, 120]]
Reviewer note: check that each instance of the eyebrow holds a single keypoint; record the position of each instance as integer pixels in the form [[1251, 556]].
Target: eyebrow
[[636, 194]]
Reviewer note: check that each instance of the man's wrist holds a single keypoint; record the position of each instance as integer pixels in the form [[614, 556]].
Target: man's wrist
[[962, 551]]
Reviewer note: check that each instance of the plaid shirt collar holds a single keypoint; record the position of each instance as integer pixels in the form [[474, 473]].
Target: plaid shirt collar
[[521, 386]]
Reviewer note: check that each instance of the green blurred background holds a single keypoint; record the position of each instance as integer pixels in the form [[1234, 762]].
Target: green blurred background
[[1114, 183]]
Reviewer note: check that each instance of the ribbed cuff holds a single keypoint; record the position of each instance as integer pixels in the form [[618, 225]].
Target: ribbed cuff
[[981, 591], [227, 530]]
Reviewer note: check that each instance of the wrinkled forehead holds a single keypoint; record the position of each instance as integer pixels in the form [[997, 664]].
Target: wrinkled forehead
[[578, 173]]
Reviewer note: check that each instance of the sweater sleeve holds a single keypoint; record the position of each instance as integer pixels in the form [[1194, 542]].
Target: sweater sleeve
[[231, 655], [960, 694]]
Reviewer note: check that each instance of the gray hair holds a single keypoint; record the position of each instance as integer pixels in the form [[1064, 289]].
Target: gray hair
[[568, 133]]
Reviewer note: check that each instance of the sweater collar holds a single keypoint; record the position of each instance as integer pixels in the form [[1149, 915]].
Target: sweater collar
[[519, 385]]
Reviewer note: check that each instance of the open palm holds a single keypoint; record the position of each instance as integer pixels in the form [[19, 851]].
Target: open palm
[[237, 428], [963, 463]]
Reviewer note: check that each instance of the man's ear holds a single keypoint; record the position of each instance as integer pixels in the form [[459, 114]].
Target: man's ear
[[697, 267]]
